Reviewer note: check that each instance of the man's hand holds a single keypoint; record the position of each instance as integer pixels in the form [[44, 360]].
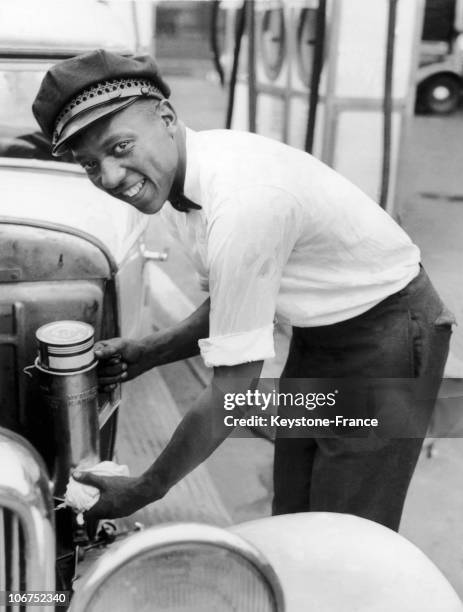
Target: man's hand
[[119, 495], [122, 360], [119, 360]]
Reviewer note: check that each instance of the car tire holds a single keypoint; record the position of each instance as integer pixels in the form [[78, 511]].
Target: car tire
[[439, 95]]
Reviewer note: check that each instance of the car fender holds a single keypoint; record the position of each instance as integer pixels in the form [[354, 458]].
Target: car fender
[[330, 562]]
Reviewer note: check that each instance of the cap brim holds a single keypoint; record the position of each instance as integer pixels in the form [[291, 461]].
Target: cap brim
[[86, 118]]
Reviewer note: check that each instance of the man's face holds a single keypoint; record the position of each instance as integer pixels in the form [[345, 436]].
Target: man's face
[[133, 154]]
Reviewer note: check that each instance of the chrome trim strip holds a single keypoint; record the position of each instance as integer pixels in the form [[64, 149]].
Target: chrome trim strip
[[15, 556], [107, 410]]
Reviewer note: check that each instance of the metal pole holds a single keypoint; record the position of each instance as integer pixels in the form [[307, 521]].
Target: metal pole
[[241, 18], [387, 103], [136, 27], [252, 95]]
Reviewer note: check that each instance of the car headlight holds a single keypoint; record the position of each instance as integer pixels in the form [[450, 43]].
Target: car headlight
[[180, 568]]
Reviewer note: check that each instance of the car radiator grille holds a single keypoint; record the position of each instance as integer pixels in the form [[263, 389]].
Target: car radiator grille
[[12, 555]]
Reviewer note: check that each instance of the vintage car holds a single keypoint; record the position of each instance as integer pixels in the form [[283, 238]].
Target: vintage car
[[324, 562], [67, 251]]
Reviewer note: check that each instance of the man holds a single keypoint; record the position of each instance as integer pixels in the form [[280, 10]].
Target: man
[[272, 231]]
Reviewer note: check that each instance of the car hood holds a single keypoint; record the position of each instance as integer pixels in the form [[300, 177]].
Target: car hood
[[53, 194]]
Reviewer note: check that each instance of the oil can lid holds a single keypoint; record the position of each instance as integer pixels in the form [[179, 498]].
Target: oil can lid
[[64, 333]]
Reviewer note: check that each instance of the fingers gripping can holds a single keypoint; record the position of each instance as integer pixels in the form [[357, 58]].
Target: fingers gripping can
[[69, 388]]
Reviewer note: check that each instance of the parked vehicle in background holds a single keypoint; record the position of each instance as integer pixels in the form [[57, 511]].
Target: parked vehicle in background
[[440, 73]]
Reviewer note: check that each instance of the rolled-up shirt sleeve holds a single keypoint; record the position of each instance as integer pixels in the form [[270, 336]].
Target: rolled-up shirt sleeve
[[250, 237]]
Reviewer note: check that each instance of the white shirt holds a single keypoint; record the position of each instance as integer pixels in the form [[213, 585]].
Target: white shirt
[[281, 233]]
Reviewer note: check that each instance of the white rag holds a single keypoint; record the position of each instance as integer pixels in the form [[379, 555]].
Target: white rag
[[82, 497]]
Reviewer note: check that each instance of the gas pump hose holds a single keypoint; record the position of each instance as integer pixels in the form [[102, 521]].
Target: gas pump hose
[[317, 66]]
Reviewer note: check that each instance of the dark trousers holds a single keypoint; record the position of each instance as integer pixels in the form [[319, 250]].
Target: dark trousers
[[405, 336]]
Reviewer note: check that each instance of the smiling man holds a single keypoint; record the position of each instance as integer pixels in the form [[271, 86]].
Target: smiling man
[[271, 231], [148, 181]]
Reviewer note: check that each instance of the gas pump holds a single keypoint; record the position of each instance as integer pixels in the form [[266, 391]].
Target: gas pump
[[334, 77]]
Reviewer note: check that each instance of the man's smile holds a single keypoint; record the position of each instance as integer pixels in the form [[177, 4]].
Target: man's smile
[[134, 190]]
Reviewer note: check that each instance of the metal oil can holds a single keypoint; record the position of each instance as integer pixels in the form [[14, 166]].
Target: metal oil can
[[68, 383]]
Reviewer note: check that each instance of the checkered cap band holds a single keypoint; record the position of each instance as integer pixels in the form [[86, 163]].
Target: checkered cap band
[[103, 92]]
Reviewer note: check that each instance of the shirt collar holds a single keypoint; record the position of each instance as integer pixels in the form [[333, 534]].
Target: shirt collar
[[191, 187]]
